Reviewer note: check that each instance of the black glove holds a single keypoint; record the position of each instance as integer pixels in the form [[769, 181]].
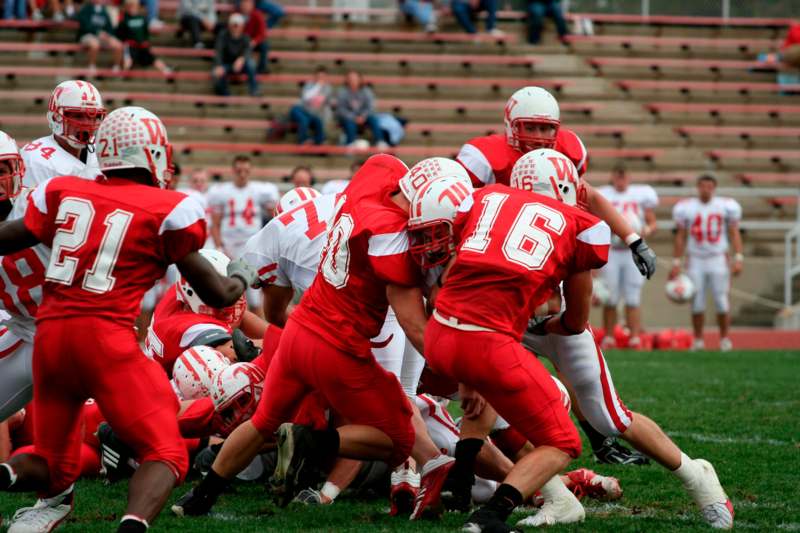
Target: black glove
[[245, 349], [239, 268], [644, 258], [537, 323]]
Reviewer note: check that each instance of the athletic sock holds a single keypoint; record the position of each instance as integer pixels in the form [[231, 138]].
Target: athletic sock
[[132, 524], [554, 489], [212, 485], [7, 476], [595, 437], [467, 451], [505, 499], [688, 470]]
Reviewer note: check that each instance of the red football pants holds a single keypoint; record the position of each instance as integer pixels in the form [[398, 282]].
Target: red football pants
[[512, 380], [357, 388], [79, 358]]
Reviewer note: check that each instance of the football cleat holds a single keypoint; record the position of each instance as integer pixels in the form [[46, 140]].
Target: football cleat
[[485, 521], [457, 493], [428, 502], [564, 510], [588, 483], [193, 503], [710, 497], [725, 344], [697, 345], [311, 497], [293, 471], [206, 457], [613, 453], [44, 516], [116, 457], [405, 486]]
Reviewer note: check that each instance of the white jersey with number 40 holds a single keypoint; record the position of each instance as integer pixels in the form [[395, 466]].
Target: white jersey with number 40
[[286, 252], [707, 224]]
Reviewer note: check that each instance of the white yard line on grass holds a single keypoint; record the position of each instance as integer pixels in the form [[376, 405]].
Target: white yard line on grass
[[719, 439]]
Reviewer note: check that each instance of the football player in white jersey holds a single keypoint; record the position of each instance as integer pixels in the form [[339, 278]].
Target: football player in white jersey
[[636, 203], [706, 226], [198, 189], [238, 210]]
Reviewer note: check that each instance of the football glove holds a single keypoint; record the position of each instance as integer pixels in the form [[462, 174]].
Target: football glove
[[644, 258], [239, 268], [537, 323], [245, 349]]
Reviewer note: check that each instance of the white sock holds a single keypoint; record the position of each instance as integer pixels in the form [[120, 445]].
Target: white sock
[[554, 489], [687, 472], [330, 490], [135, 519]]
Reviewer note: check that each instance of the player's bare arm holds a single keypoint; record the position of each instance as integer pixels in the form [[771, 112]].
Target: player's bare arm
[[276, 303], [215, 229], [215, 290], [409, 307], [252, 325], [735, 236], [678, 250], [578, 298], [14, 236], [649, 222]]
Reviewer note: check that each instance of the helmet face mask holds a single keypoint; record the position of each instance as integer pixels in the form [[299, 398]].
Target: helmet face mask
[[432, 244], [236, 392], [12, 169], [531, 134]]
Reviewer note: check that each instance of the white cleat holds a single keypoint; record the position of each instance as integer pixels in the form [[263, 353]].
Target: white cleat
[[44, 516], [564, 510], [698, 345], [710, 497], [725, 344]]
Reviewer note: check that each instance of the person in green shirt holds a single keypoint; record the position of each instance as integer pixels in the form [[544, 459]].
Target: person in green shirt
[[134, 33], [96, 32]]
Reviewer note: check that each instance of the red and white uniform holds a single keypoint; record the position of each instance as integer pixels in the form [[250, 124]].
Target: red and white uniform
[[707, 226], [490, 159], [514, 248], [110, 240], [326, 346], [22, 274], [620, 273], [174, 328], [242, 210]]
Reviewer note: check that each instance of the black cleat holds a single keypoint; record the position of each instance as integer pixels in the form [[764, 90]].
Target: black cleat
[[245, 349], [614, 453], [206, 457], [457, 493], [295, 469], [486, 521], [194, 504], [116, 457]]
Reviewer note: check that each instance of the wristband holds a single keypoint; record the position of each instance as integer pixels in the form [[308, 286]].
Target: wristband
[[330, 490], [632, 238], [738, 258], [677, 261]]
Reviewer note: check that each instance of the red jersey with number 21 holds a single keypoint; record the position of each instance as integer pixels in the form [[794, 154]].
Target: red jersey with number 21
[[514, 248], [110, 241]]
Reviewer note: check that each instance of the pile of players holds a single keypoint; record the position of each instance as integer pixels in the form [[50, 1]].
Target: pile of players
[[419, 285]]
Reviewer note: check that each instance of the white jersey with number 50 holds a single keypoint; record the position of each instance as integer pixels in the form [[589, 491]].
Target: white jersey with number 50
[[286, 251], [707, 224]]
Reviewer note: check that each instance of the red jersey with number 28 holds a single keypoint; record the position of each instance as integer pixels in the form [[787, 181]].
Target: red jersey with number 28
[[367, 249], [110, 241], [514, 248]]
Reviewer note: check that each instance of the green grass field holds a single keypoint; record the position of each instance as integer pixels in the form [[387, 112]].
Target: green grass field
[[738, 410]]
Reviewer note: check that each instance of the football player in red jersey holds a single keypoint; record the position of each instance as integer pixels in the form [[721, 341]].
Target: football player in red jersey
[[111, 239], [513, 248], [325, 346], [533, 120]]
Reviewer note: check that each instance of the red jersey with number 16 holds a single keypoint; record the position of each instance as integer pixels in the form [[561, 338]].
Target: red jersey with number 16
[[514, 248], [111, 240]]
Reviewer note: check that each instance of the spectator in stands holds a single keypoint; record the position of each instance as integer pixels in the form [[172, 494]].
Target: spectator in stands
[[273, 10], [423, 11], [256, 29], [465, 12], [313, 108], [95, 31], [355, 109], [60, 11], [537, 10], [302, 176], [790, 49], [16, 9], [154, 23], [134, 32], [196, 16], [233, 57]]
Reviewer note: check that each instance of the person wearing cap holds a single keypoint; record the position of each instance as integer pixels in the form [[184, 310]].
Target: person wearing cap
[[233, 57]]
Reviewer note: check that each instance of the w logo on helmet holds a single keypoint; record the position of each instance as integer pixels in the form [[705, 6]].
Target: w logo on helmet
[[512, 102], [564, 168], [456, 193], [156, 130]]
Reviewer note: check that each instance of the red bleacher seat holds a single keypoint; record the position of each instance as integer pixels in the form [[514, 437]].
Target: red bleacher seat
[[776, 156], [671, 20], [656, 64], [738, 131], [713, 86], [768, 178], [774, 110], [684, 43]]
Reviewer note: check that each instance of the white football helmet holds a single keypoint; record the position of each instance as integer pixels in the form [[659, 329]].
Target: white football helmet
[[75, 112], [133, 137], [186, 294], [680, 289], [531, 106], [295, 197], [427, 170], [565, 399], [195, 369], [550, 173], [11, 177], [235, 393], [432, 210]]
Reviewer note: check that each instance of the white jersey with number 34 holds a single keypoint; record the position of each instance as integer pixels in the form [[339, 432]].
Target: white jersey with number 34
[[707, 224]]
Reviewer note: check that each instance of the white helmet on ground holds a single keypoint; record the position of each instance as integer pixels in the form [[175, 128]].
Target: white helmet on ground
[[680, 289], [10, 176], [565, 399], [532, 119], [432, 211], [235, 393], [601, 294], [550, 173], [75, 112], [133, 137], [427, 170], [295, 197], [230, 315], [195, 369]]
